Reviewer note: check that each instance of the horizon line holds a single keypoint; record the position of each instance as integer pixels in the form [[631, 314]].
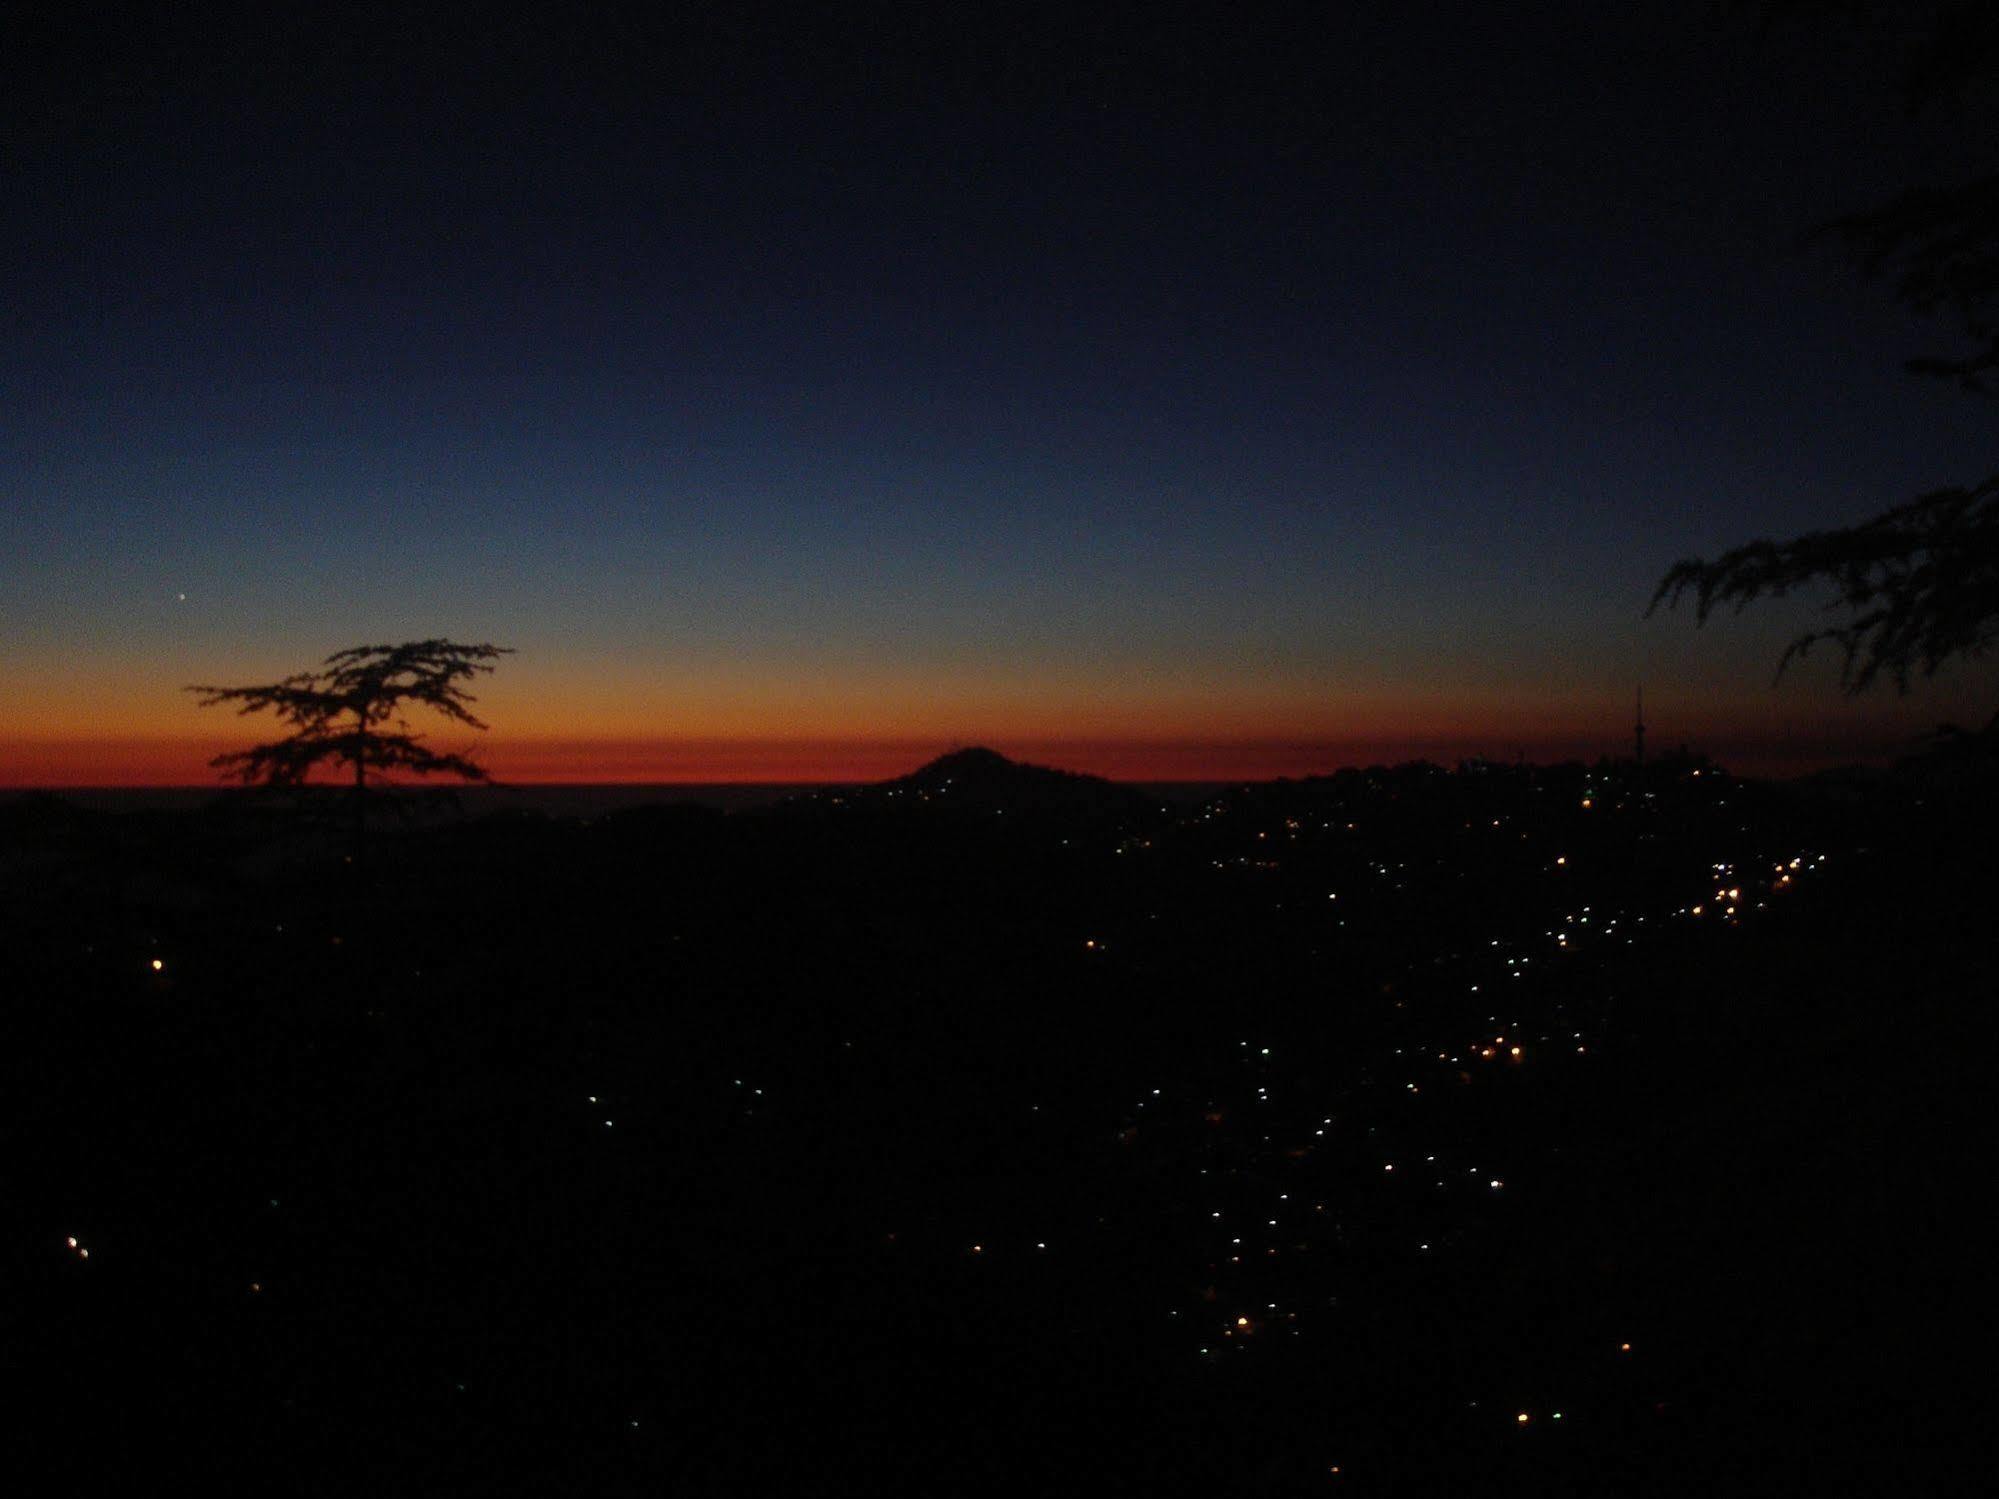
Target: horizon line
[[133, 762]]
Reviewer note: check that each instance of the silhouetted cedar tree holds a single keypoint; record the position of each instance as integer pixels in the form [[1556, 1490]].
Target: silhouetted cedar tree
[[1918, 585], [349, 720]]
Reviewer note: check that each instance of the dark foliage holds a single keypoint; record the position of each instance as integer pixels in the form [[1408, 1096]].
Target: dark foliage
[[1940, 248], [350, 715], [1920, 584]]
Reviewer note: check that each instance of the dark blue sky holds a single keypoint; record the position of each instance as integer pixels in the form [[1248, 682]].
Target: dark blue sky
[[1337, 379]]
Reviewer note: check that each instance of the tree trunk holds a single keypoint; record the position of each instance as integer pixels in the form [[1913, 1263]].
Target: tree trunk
[[360, 945], [360, 794]]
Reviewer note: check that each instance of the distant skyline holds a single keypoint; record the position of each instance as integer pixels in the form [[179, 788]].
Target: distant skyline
[[1169, 398]]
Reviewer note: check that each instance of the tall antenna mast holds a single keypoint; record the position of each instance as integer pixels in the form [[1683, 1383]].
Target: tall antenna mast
[[1638, 731]]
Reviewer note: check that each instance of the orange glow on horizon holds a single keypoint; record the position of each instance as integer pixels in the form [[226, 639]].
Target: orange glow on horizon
[[577, 722], [137, 762], [160, 761]]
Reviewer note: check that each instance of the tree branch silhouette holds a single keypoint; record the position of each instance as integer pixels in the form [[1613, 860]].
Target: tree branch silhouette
[[348, 718], [1918, 584], [1940, 249]]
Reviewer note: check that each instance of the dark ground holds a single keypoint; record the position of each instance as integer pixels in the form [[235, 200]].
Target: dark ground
[[816, 1150]]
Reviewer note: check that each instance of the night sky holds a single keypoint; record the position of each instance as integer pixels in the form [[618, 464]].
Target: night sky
[[1167, 396]]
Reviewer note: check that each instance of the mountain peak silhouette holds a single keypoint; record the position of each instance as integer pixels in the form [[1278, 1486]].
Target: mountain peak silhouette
[[981, 780], [976, 763]]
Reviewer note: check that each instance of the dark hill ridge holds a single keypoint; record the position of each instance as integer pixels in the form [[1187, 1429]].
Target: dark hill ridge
[[984, 778], [983, 782]]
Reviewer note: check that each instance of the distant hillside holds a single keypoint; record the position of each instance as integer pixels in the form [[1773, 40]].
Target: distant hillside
[[984, 782]]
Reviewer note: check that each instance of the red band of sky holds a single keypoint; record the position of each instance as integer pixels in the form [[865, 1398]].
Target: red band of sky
[[103, 761]]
